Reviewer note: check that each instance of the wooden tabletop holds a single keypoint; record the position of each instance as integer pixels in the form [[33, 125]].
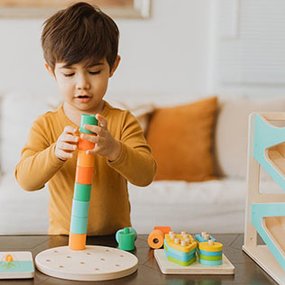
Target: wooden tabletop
[[246, 271]]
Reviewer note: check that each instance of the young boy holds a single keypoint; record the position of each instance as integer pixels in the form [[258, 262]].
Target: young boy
[[80, 47]]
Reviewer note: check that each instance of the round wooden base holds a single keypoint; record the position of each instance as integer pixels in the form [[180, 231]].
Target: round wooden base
[[95, 263]]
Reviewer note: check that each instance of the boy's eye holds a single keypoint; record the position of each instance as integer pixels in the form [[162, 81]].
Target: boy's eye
[[95, 72], [68, 74]]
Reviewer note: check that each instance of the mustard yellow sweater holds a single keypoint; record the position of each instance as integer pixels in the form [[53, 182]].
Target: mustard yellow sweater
[[109, 203]]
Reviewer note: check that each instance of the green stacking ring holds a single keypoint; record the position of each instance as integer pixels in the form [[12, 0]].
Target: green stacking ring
[[205, 257], [87, 119], [82, 192], [182, 263]]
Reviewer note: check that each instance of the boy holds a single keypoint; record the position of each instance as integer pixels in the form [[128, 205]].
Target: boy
[[80, 47]]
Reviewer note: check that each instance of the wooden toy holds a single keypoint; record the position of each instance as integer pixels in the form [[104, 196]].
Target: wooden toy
[[94, 263], [126, 238], [164, 229], [204, 236], [16, 265], [180, 251], [83, 178], [180, 248], [210, 253], [156, 237], [78, 261], [265, 212], [195, 268]]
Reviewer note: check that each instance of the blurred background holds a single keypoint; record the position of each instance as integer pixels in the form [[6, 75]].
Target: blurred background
[[184, 49], [173, 52]]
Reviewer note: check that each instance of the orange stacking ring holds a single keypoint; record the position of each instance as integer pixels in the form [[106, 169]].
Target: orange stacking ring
[[84, 159], [155, 239], [77, 241], [85, 144], [164, 229], [84, 175]]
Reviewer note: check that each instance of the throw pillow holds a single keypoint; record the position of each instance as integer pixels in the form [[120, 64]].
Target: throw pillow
[[181, 139]]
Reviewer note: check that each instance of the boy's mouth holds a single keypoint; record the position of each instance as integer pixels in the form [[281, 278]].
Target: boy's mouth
[[83, 98]]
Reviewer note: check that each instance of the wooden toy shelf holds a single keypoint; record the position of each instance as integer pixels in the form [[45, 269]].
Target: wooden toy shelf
[[265, 212]]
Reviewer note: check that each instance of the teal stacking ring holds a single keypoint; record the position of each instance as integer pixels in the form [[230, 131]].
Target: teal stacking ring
[[87, 119]]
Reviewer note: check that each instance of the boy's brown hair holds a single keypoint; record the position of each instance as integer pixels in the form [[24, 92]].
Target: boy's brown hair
[[81, 32]]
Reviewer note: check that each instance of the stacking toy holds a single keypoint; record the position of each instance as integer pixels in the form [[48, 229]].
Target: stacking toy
[[79, 261], [126, 238], [156, 237], [82, 188]]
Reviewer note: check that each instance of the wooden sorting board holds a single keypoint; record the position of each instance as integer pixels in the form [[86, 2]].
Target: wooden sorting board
[[196, 268], [21, 266]]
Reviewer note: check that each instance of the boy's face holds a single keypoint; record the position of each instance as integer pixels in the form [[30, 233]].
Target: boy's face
[[82, 86]]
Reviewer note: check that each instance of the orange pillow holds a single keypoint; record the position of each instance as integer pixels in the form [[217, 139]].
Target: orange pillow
[[181, 139]]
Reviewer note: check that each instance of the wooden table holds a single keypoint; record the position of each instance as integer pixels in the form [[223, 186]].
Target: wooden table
[[246, 271]]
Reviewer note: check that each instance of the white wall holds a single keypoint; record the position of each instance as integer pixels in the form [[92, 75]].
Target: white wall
[[166, 58], [251, 48], [186, 49], [168, 55]]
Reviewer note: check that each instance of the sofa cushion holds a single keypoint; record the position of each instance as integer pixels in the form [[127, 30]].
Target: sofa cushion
[[232, 132], [181, 139]]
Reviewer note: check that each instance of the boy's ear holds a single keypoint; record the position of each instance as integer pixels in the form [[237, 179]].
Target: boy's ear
[[115, 65], [50, 70]]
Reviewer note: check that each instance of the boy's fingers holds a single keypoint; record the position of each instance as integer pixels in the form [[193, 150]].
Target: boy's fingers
[[94, 129], [67, 146], [70, 138], [69, 129], [93, 139], [64, 155], [90, 151], [102, 122], [90, 127]]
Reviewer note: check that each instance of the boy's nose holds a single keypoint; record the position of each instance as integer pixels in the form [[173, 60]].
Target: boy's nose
[[82, 83]]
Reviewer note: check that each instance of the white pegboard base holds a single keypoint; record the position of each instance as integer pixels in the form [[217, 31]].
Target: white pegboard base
[[95, 263]]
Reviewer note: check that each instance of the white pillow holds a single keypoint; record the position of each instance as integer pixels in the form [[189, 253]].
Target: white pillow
[[18, 113], [232, 132]]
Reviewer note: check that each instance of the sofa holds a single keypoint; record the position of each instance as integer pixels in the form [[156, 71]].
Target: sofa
[[213, 203]]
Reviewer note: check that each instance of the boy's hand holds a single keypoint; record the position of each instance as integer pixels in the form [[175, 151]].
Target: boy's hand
[[66, 143], [105, 144]]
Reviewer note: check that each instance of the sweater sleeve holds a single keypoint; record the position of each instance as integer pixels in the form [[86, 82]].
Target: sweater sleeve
[[135, 161], [38, 162]]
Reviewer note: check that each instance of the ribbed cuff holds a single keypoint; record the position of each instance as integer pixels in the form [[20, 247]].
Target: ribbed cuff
[[120, 158], [54, 159]]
